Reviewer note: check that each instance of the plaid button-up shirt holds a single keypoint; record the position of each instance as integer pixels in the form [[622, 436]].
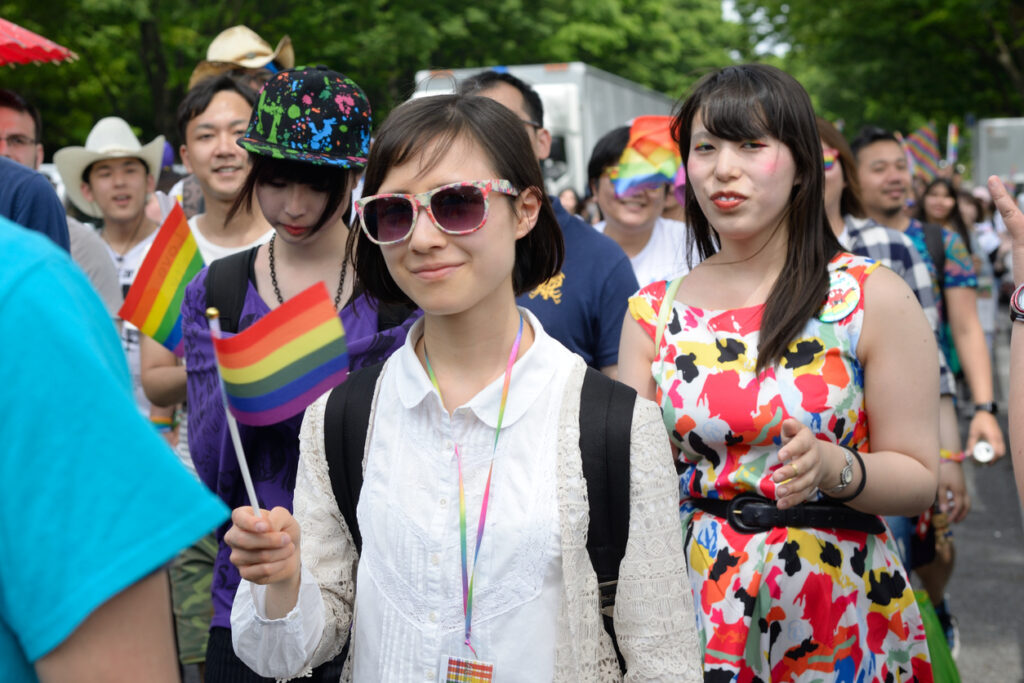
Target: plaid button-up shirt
[[895, 251]]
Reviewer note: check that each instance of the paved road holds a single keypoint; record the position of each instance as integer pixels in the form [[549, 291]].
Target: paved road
[[986, 592]]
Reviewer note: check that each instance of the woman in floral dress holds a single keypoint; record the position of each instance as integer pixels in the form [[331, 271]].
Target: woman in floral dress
[[773, 361]]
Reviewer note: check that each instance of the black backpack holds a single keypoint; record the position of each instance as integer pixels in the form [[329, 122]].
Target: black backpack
[[606, 406]]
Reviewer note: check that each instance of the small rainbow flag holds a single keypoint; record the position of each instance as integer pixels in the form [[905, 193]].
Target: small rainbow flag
[[952, 143], [153, 303], [923, 146], [285, 361], [651, 157]]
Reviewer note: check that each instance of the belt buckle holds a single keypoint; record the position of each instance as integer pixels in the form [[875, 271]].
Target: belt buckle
[[734, 513]]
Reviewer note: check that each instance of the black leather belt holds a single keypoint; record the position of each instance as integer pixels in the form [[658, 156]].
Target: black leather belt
[[748, 513]]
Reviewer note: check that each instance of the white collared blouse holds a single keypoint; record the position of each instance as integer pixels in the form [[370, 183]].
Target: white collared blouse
[[535, 607]]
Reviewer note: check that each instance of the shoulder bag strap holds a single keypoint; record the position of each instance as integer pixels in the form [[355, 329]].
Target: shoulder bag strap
[[937, 250], [664, 311]]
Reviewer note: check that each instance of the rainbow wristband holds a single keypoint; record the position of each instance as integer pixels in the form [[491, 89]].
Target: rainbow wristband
[[162, 424], [946, 454]]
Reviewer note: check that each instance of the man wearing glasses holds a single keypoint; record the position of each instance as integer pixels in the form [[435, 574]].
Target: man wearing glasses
[[583, 306], [26, 197]]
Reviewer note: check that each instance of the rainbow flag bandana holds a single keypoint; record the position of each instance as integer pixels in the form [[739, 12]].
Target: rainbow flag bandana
[[153, 303], [651, 157], [285, 361]]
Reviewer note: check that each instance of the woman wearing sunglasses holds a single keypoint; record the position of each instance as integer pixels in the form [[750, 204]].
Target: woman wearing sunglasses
[[473, 508], [775, 359], [307, 139]]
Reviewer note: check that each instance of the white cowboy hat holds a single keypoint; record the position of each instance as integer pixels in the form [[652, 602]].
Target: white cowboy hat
[[110, 138], [240, 46]]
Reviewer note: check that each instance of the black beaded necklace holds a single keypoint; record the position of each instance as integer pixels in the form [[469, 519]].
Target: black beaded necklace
[[273, 276]]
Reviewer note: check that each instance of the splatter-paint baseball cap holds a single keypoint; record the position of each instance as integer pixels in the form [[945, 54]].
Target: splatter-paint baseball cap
[[313, 115]]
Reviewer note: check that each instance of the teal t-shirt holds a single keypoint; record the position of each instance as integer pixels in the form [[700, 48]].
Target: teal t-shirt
[[94, 499]]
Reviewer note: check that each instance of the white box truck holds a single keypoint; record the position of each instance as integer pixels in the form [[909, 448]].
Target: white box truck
[[999, 149], [581, 103]]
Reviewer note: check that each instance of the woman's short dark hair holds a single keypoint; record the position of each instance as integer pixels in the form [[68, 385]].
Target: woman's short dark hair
[[437, 122], [336, 182], [850, 202], [752, 101]]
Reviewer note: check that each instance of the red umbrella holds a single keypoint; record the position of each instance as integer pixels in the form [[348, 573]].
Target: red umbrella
[[20, 46]]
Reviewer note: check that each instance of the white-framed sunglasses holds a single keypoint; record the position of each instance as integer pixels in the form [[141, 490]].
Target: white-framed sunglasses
[[455, 209]]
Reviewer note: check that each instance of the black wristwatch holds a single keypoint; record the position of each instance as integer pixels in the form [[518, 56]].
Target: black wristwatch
[[989, 407], [1017, 305]]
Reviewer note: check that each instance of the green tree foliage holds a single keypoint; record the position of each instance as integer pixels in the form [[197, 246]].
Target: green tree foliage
[[898, 62], [136, 55]]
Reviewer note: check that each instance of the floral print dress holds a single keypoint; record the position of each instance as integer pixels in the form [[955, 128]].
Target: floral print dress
[[787, 604]]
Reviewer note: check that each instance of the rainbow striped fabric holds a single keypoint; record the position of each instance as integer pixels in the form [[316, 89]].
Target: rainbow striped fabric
[[923, 147], [285, 361], [651, 157], [952, 143], [153, 303]]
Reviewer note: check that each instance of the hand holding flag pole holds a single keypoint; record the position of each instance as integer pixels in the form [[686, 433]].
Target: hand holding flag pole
[[213, 315]]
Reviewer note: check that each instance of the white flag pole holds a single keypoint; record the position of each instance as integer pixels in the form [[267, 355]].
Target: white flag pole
[[213, 315]]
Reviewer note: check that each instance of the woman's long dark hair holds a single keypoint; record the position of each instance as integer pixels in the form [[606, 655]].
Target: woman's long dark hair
[[748, 102]]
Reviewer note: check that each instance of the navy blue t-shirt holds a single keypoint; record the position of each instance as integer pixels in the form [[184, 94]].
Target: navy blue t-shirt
[[27, 198], [584, 305]]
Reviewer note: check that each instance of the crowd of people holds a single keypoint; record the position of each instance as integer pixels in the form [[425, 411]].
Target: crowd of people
[[695, 438]]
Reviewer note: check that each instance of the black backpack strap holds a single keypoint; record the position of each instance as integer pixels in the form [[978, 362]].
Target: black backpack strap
[[227, 280], [391, 315], [606, 418], [346, 420], [937, 250]]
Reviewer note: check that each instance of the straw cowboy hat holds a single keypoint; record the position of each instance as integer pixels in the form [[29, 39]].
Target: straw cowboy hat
[[110, 138], [241, 47]]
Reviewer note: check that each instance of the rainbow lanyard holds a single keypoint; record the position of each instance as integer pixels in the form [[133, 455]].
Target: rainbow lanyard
[[467, 577]]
